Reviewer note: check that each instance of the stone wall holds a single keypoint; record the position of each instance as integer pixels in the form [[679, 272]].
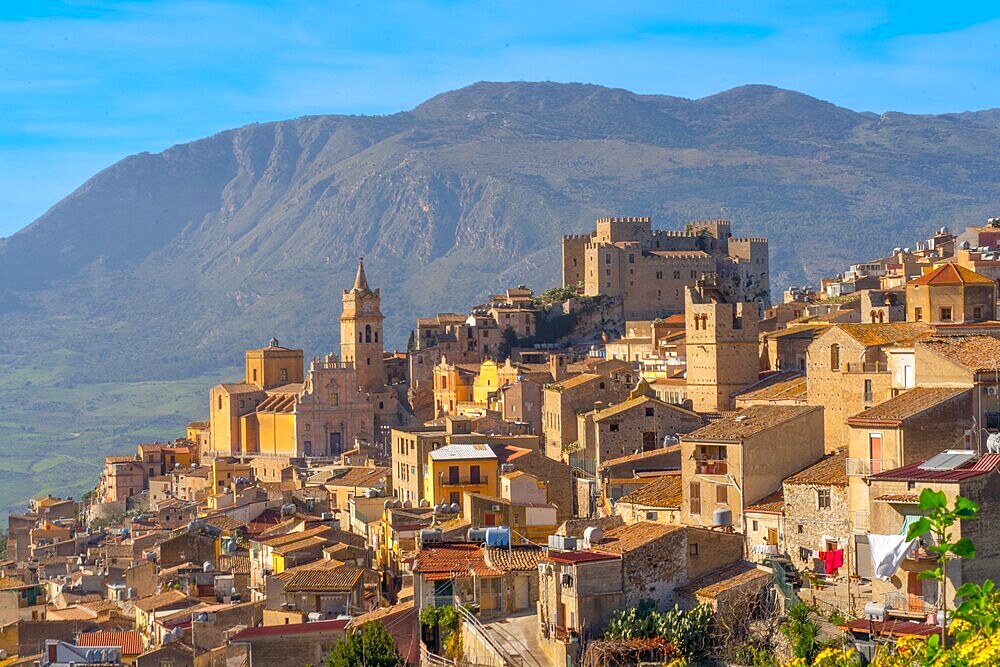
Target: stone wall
[[808, 527]]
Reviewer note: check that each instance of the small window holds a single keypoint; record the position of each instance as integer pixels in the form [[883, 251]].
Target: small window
[[613, 427], [800, 529], [631, 259], [649, 412], [722, 495], [946, 314], [977, 312], [677, 275], [607, 258], [823, 499], [755, 526], [601, 386], [694, 274], [693, 549], [284, 374], [835, 357], [918, 314]]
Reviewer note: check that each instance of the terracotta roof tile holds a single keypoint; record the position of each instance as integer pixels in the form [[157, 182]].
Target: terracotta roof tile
[[772, 504], [781, 386], [575, 381], [951, 274], [831, 470], [732, 576], [162, 600], [129, 641], [889, 333], [630, 537], [519, 558], [620, 408], [458, 559], [301, 579], [664, 491], [909, 498], [976, 353], [748, 422], [908, 404]]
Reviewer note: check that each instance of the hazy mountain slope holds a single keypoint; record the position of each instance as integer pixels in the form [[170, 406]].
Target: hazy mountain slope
[[164, 265]]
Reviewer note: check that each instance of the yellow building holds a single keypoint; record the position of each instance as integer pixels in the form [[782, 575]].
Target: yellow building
[[491, 377], [274, 366], [453, 385], [224, 471], [453, 469], [270, 429]]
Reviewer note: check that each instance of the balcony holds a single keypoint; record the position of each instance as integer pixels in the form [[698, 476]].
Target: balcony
[[865, 467], [711, 467], [463, 481], [867, 367], [908, 602]]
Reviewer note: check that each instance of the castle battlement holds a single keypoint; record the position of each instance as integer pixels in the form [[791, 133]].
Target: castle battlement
[[575, 237], [626, 219], [749, 239], [672, 232]]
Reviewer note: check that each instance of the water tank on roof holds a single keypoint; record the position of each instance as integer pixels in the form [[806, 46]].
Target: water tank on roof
[[437, 509], [722, 517], [424, 502], [407, 504], [476, 535], [455, 508], [326, 516], [207, 566], [430, 535], [387, 504], [288, 509], [993, 443], [397, 503], [498, 536], [371, 493], [593, 535]]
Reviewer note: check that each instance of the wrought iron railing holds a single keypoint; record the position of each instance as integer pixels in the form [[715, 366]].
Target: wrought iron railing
[[864, 467]]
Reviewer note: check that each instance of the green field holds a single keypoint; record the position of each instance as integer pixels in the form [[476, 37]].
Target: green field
[[54, 435]]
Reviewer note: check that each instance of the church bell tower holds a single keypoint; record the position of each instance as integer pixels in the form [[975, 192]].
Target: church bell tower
[[361, 332]]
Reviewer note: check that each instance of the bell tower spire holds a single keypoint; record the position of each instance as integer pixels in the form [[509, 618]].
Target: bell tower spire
[[361, 332], [361, 281]]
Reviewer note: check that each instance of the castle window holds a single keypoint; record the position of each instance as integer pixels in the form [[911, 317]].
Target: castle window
[[835, 357], [381, 405], [659, 275], [607, 258], [574, 262], [677, 275], [694, 274], [631, 259], [376, 335]]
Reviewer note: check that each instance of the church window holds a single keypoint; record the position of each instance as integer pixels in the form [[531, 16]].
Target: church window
[[255, 376], [376, 335], [361, 337], [368, 333]]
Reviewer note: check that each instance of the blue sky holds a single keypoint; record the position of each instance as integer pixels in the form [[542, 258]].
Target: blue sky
[[83, 84]]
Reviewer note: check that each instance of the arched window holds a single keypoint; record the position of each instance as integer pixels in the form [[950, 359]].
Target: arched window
[[361, 337], [368, 333], [835, 357], [376, 335]]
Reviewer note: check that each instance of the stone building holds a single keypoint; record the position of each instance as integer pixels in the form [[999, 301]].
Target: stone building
[[847, 370], [950, 294], [640, 424], [911, 427], [648, 270], [781, 388], [817, 516], [562, 401], [964, 361], [658, 501], [722, 345], [739, 459], [787, 349], [894, 504]]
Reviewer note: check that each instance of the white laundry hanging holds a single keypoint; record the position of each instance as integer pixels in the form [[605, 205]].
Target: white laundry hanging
[[888, 551]]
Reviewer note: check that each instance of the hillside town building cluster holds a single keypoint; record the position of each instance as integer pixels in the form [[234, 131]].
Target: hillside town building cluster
[[652, 429]]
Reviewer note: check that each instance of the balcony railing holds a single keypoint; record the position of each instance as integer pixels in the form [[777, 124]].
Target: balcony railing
[[867, 367], [865, 467], [463, 481], [710, 467], [918, 604]]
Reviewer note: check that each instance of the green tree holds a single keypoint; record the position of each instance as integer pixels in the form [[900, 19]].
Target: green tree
[[508, 341], [411, 342], [802, 631], [938, 521], [373, 646]]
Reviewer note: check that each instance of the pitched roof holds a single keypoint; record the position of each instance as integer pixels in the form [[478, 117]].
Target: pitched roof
[[780, 386], [888, 333], [235, 563], [907, 404], [161, 600], [914, 473], [951, 274], [129, 641], [577, 557], [719, 581], [630, 537], [773, 503], [831, 470], [456, 559], [338, 625], [341, 578], [519, 558], [664, 491], [976, 353], [620, 408], [357, 476], [748, 422], [575, 381]]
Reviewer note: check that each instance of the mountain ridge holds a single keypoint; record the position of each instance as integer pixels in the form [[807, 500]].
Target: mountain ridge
[[219, 243]]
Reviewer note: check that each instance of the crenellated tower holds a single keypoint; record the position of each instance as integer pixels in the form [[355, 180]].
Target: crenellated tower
[[361, 332]]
